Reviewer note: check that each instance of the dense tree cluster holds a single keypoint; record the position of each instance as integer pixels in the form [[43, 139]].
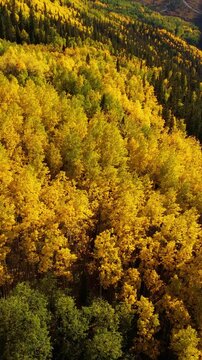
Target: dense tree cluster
[[175, 25], [176, 67], [100, 211]]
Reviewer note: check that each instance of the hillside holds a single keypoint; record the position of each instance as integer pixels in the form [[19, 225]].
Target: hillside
[[177, 88], [156, 15], [100, 185], [190, 10]]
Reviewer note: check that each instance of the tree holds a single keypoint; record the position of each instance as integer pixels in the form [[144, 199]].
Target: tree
[[147, 326], [104, 340], [184, 344], [71, 329], [24, 320], [107, 252]]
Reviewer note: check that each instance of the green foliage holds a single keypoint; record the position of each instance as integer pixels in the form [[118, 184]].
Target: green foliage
[[24, 323], [105, 345], [71, 329], [105, 340], [184, 343]]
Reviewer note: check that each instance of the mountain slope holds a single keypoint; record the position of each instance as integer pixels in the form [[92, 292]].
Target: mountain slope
[[100, 186], [178, 27], [99, 197], [177, 67], [189, 10]]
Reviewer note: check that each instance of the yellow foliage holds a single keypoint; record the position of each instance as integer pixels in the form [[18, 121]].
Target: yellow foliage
[[107, 253], [147, 325]]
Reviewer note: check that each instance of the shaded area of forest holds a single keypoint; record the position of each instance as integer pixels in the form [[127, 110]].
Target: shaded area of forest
[[198, 22]]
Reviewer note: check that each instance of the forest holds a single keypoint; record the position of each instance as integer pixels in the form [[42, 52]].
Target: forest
[[100, 185]]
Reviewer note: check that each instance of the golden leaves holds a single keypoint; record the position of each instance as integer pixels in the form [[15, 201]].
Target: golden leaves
[[107, 252]]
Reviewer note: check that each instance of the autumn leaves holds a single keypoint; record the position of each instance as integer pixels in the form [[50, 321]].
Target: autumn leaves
[[94, 187]]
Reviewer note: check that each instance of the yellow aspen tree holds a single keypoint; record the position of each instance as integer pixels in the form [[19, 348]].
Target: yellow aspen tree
[[7, 213], [179, 234], [107, 253], [55, 254], [126, 218], [147, 326], [131, 286], [153, 282], [175, 310]]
